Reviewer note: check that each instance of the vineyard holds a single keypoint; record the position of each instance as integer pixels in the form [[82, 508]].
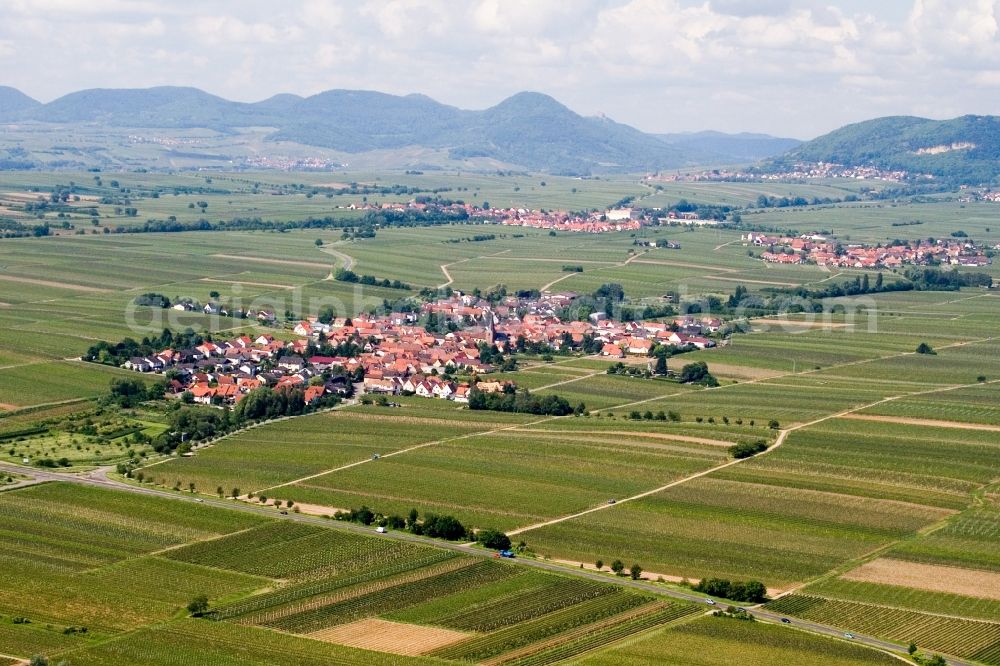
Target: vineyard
[[379, 601], [77, 528], [289, 550], [970, 639], [714, 641]]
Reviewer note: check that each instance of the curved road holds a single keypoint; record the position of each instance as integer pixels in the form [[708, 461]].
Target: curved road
[[99, 478]]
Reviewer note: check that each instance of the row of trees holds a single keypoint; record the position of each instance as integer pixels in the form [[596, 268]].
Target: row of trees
[[345, 275], [522, 402]]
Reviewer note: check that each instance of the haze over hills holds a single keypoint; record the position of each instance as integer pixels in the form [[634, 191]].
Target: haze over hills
[[742, 147], [528, 130], [963, 149]]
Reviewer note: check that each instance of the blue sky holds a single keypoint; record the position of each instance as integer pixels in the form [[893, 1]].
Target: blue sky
[[787, 67]]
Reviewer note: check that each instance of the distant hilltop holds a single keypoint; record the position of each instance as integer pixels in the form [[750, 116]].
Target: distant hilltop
[[181, 127], [528, 130], [963, 150]]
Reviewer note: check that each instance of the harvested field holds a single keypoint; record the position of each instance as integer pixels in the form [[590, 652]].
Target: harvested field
[[250, 284], [394, 637], [51, 283], [934, 423], [930, 577], [628, 433], [277, 262]]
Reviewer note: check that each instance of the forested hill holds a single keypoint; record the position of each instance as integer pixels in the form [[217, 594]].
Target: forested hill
[[530, 130], [963, 150]]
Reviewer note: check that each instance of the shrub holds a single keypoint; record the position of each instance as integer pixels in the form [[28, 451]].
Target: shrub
[[493, 539], [746, 449]]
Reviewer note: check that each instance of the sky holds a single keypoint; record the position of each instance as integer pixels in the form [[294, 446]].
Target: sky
[[796, 68]]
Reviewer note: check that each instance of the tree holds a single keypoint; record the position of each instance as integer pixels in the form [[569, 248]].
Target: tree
[[39, 660], [661, 365], [697, 373], [618, 567], [127, 392], [198, 605], [635, 571], [493, 539], [924, 348], [599, 564], [220, 492], [319, 242], [754, 591], [236, 493]]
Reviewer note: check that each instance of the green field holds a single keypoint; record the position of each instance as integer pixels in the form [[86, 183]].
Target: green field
[[719, 641], [971, 639], [883, 452]]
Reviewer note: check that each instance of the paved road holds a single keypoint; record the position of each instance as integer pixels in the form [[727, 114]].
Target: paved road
[[99, 478]]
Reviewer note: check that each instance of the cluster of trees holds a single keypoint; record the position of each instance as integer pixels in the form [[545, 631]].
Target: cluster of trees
[[522, 402], [478, 238], [189, 424], [747, 449], [126, 392], [116, 354], [704, 211], [493, 539], [934, 279], [433, 525], [697, 373], [153, 300], [13, 229], [750, 591]]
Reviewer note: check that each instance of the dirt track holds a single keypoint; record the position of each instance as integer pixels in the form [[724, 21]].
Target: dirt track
[[279, 262], [931, 423], [51, 283]]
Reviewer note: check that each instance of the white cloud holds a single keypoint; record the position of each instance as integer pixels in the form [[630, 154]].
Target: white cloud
[[796, 67]]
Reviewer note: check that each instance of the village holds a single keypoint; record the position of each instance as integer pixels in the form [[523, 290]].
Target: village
[[393, 354], [797, 172], [825, 251]]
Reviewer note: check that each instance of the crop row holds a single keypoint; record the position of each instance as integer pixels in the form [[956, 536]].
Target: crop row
[[275, 614], [308, 589], [491, 645], [394, 598], [657, 615], [294, 551], [527, 605], [962, 638]]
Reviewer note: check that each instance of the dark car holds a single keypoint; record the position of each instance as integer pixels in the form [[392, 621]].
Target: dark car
[[786, 620]]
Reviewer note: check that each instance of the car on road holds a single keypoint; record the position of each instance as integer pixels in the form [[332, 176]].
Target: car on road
[[380, 529], [199, 500], [284, 513], [848, 635], [612, 500], [710, 602], [785, 620]]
